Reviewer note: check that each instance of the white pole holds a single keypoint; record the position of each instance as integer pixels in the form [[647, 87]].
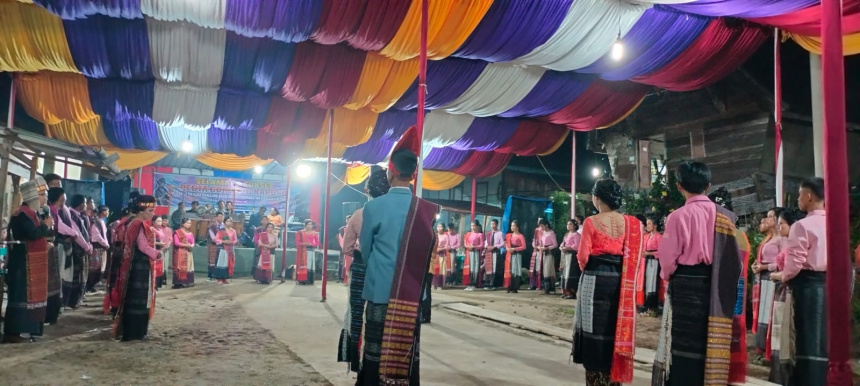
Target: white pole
[[817, 114]]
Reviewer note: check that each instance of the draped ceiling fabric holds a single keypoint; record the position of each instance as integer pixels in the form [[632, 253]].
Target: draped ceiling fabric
[[250, 81]]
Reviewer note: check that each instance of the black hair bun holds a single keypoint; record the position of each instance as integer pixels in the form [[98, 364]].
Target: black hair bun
[[609, 192]]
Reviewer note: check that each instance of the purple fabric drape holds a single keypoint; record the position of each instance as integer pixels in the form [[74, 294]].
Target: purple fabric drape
[[231, 141], [513, 28], [744, 8], [107, 47], [391, 125], [486, 134], [79, 9], [289, 21], [446, 80], [242, 110], [259, 64], [655, 40], [370, 152], [553, 91], [129, 132], [113, 98], [445, 158]]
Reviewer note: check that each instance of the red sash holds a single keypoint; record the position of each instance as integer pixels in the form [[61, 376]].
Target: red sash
[[180, 257], [625, 326]]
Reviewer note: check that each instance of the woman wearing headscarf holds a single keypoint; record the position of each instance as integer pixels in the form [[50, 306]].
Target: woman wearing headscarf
[[608, 255], [136, 279]]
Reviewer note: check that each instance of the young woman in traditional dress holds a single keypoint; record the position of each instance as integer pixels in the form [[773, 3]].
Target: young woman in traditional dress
[[763, 288], [570, 271], [439, 267], [162, 237], [534, 266], [136, 280], [266, 242], [226, 255], [608, 255], [183, 257], [515, 245], [780, 337], [650, 289], [307, 242], [56, 256], [544, 246], [474, 244]]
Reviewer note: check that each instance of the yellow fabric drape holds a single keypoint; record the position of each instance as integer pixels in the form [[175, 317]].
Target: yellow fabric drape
[[133, 159], [318, 148], [625, 115], [351, 127], [462, 19], [557, 144], [52, 97], [32, 39], [407, 40], [373, 75], [89, 133], [356, 174], [850, 43], [399, 79], [231, 162], [439, 180]]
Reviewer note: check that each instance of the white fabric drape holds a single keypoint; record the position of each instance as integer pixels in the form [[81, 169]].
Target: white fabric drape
[[186, 53], [172, 137], [184, 105], [499, 87], [442, 129], [205, 13], [586, 34]]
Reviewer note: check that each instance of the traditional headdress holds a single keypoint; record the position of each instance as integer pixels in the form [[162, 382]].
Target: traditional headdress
[[409, 141], [144, 202], [31, 190]]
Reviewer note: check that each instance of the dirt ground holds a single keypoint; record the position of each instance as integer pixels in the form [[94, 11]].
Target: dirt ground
[[237, 350]]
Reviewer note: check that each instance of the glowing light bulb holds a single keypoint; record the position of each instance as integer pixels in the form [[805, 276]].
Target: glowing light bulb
[[258, 169], [595, 172], [617, 49], [303, 171], [187, 146]]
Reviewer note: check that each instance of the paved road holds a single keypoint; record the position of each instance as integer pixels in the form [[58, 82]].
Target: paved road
[[455, 350]]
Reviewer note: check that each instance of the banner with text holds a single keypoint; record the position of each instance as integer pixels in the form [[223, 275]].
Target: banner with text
[[247, 195]]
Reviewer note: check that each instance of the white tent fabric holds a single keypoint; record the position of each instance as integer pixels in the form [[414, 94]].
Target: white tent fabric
[[172, 137], [186, 53], [585, 34], [184, 105], [442, 129], [205, 13], [499, 87]]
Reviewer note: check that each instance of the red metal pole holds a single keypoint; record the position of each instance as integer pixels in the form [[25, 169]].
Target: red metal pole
[[422, 87], [777, 118], [326, 205], [284, 231], [836, 195], [573, 175], [474, 189]]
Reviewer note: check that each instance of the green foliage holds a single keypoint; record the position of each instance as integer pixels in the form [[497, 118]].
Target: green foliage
[[662, 199], [560, 211]]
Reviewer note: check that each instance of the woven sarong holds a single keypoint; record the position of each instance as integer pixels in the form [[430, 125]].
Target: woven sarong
[[766, 292], [350, 335], [810, 326], [597, 312], [782, 344]]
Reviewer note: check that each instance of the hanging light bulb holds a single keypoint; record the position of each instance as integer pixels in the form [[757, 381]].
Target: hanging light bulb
[[187, 146], [617, 48], [258, 169]]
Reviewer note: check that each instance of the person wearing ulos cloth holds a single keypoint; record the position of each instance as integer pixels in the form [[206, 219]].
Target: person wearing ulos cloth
[[78, 265], [535, 277], [163, 236], [473, 242], [515, 246], [266, 242], [353, 322], [183, 257], [98, 237], [439, 267], [763, 288], [261, 228], [453, 246], [135, 282], [781, 343], [398, 238], [212, 247], [605, 321], [226, 253], [805, 273], [115, 256], [544, 245], [307, 242], [650, 288], [58, 245], [700, 257], [27, 265], [570, 271], [495, 241]]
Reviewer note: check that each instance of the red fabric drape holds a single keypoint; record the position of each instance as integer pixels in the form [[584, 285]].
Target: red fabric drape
[[808, 21], [718, 51], [326, 75], [533, 137], [287, 126], [382, 19], [482, 164], [339, 20], [599, 105]]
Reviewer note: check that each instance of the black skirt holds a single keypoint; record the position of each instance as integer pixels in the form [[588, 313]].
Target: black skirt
[[690, 292], [597, 313], [810, 326], [374, 331], [135, 316]]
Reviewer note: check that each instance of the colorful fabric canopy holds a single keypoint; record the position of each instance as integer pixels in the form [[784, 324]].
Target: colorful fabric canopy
[[255, 78]]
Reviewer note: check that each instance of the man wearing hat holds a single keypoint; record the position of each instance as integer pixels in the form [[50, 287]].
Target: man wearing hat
[[28, 265], [397, 238]]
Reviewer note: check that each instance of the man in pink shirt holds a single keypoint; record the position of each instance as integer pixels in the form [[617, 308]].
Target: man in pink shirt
[[804, 272], [700, 257]]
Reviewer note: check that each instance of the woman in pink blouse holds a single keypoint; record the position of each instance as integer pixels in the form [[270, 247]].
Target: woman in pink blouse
[[438, 265], [162, 243], [515, 244], [225, 240], [183, 257], [764, 288], [782, 312], [543, 247], [474, 244], [650, 290], [570, 271]]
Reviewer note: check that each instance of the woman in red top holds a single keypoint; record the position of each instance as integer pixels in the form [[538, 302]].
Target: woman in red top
[[515, 244], [307, 242], [474, 244], [609, 252]]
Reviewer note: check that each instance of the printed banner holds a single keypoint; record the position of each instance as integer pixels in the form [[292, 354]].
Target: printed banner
[[246, 195]]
